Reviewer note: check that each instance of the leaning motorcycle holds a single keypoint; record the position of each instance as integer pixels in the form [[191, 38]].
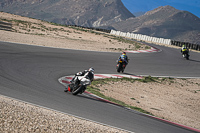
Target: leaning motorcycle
[[120, 65], [186, 54], [79, 86]]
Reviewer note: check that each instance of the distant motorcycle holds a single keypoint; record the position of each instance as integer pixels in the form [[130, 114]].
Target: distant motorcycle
[[121, 64], [79, 85], [186, 54]]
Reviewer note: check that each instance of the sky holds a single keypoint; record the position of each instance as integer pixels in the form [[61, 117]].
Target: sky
[[134, 6]]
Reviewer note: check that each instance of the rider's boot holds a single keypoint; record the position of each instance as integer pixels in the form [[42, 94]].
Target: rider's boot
[[66, 89]]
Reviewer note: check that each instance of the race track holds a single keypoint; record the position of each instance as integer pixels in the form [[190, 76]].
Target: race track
[[31, 74]]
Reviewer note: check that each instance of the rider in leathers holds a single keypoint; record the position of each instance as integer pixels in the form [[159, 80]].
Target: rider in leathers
[[184, 50], [89, 74], [124, 57]]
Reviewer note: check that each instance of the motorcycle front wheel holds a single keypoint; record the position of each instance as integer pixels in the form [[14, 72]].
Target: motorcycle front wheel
[[78, 90]]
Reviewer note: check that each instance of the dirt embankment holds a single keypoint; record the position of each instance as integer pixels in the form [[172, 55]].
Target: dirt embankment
[[176, 100]]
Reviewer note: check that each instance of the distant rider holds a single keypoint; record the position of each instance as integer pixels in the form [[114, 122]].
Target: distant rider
[[184, 50], [124, 58]]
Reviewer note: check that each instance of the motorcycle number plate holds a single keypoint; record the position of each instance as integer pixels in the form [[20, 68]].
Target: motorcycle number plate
[[120, 61]]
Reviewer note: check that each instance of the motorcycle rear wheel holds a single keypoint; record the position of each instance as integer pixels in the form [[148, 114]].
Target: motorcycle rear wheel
[[119, 68]]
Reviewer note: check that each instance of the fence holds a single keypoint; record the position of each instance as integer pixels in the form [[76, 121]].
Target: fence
[[92, 28], [155, 39], [5, 26], [188, 45]]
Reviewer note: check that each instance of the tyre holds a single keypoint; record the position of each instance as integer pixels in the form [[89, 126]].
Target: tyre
[[77, 90], [187, 57], [119, 68]]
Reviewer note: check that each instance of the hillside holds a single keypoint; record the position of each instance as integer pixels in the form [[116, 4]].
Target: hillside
[[36, 32], [91, 13], [166, 22]]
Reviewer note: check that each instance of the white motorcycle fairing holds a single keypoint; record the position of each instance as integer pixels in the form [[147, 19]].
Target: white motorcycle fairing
[[84, 81]]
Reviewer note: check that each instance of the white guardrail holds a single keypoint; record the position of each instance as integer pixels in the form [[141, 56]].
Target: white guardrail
[[141, 37]]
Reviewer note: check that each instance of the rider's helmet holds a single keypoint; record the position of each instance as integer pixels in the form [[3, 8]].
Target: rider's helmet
[[91, 69], [124, 53]]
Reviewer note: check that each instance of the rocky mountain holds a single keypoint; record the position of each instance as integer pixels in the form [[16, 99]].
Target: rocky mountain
[[135, 6], [91, 13], [166, 22]]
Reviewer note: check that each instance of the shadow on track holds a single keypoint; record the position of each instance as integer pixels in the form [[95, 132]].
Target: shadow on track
[[194, 60], [86, 96], [130, 74]]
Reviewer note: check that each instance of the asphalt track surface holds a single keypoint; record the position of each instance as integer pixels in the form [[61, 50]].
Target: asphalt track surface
[[31, 74]]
